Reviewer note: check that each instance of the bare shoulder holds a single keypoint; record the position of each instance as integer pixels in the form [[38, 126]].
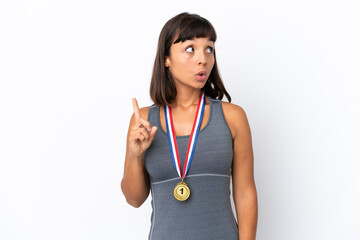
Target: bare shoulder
[[144, 112], [236, 118]]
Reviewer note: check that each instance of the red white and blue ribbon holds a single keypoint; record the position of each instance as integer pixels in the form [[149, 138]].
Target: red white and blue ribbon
[[192, 141]]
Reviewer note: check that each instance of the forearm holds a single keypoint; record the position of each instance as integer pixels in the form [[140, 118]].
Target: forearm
[[247, 214], [134, 183]]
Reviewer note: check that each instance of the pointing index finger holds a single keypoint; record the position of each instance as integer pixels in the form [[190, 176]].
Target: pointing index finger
[[136, 109]]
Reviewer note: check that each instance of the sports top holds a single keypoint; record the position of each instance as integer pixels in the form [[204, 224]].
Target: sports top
[[207, 213]]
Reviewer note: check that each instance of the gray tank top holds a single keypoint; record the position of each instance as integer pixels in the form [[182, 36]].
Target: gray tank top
[[207, 213]]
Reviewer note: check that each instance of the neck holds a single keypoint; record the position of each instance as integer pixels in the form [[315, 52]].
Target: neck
[[186, 98]]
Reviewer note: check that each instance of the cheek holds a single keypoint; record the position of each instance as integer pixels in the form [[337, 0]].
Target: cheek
[[211, 61], [177, 59], [182, 64], [212, 58]]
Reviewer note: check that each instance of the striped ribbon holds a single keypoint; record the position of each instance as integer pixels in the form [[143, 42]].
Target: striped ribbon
[[192, 141]]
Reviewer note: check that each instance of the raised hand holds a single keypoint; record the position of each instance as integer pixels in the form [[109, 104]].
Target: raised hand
[[139, 138]]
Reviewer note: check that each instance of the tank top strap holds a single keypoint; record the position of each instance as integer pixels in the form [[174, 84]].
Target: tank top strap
[[153, 115], [217, 115]]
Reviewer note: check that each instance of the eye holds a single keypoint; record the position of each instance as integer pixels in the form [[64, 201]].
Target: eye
[[188, 48]]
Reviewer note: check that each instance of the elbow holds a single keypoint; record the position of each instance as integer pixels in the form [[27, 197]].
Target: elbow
[[135, 204]]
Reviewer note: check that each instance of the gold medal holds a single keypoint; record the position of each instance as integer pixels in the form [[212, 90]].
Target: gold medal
[[181, 191]]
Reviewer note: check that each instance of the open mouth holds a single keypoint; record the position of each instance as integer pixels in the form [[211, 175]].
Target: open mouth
[[201, 76]]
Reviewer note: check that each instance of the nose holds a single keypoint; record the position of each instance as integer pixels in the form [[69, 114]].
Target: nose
[[202, 58]]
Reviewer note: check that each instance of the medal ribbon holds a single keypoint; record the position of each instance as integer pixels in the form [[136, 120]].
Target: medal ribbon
[[192, 141]]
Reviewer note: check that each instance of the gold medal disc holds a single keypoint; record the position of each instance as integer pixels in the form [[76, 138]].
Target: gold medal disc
[[181, 191]]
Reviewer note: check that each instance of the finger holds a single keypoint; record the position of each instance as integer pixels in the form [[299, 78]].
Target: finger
[[141, 136], [141, 131], [137, 136], [144, 132], [136, 109], [143, 122]]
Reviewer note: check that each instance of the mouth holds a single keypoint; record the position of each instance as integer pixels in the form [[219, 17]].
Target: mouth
[[201, 76], [201, 73]]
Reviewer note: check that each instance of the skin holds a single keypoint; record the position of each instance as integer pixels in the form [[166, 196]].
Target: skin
[[185, 60]]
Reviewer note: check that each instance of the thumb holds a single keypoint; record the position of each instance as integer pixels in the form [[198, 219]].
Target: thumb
[[153, 131]]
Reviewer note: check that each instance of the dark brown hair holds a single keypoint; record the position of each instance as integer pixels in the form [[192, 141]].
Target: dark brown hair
[[186, 26]]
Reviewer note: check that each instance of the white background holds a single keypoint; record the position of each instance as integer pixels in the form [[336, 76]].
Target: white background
[[69, 69]]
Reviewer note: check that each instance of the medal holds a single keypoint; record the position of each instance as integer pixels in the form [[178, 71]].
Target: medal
[[182, 191]]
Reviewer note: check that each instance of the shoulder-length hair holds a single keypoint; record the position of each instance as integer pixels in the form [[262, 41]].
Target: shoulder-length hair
[[186, 26]]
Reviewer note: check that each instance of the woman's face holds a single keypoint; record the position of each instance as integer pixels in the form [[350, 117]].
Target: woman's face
[[188, 58]]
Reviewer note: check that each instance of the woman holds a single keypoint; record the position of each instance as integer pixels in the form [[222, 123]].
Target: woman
[[187, 145]]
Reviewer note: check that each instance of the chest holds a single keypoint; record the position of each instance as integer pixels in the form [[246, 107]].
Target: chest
[[212, 155], [183, 121]]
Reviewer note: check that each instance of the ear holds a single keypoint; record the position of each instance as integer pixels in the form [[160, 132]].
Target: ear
[[167, 61]]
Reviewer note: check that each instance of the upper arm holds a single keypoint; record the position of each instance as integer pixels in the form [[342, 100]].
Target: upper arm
[[243, 162]]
